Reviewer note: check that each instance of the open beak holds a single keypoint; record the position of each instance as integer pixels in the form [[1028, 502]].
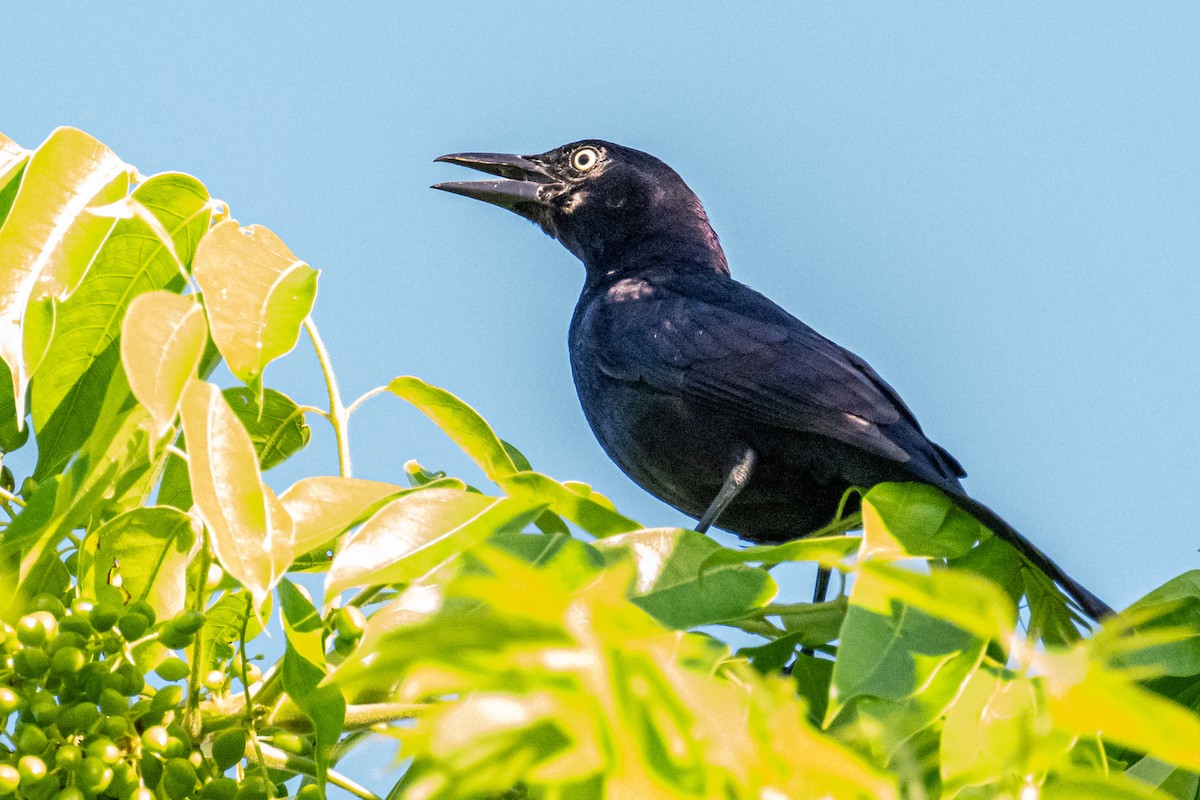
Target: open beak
[[521, 191]]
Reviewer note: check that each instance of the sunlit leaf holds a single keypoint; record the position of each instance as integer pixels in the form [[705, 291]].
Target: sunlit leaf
[[303, 669], [416, 532], [49, 238], [1078, 785], [13, 159], [257, 294], [1087, 698], [585, 510], [323, 507], [1174, 606], [223, 624], [83, 354], [149, 550], [1172, 781], [670, 585], [828, 551], [162, 339], [460, 422], [915, 519], [276, 426], [251, 531]]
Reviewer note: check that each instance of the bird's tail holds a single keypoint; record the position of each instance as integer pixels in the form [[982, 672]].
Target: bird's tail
[[1092, 606]]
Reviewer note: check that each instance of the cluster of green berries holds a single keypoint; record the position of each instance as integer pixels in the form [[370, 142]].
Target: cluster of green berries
[[79, 721]]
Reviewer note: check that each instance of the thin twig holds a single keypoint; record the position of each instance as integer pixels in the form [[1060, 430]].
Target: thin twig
[[338, 416]]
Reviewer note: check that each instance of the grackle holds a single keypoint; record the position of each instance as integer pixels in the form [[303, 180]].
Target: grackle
[[703, 391]]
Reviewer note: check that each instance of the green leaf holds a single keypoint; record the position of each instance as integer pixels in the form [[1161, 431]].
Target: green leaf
[[13, 430], [276, 426], [670, 585], [463, 424], [915, 519], [303, 670], [252, 534], [589, 511], [257, 294], [828, 551], [1174, 606], [574, 561], [1172, 781], [223, 627], [418, 531], [162, 340], [83, 354], [898, 664], [50, 235], [150, 549], [1079, 784]]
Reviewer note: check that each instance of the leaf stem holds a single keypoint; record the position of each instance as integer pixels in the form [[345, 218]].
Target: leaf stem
[[9, 497], [245, 666], [378, 390], [191, 717], [338, 417], [280, 759]]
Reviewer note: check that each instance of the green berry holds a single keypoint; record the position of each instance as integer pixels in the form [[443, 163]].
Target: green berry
[[155, 738], [67, 661], [214, 680], [33, 630], [228, 747], [43, 708], [179, 778], [68, 757], [309, 791], [219, 789], [10, 701], [168, 697], [172, 669], [145, 609], [104, 749], [31, 662], [102, 618], [175, 639], [131, 680], [188, 621], [252, 788], [77, 624], [93, 775], [115, 727], [50, 603], [9, 779], [140, 793], [69, 793], [112, 702], [151, 769], [32, 769], [132, 625], [31, 739]]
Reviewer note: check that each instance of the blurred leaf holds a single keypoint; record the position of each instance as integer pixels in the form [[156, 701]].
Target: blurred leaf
[[252, 534], [573, 560], [813, 677], [175, 488], [303, 670], [13, 430], [1174, 606], [416, 532], [915, 519], [1094, 786], [83, 354], [277, 427], [162, 339], [257, 294], [828, 551], [1172, 781], [50, 237], [670, 585], [323, 507], [585, 510], [150, 549], [998, 561], [1088, 699], [998, 728], [463, 424]]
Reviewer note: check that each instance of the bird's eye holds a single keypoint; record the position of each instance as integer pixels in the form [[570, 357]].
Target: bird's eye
[[585, 158]]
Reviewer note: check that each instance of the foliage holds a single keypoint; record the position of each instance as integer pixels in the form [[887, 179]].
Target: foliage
[[526, 640]]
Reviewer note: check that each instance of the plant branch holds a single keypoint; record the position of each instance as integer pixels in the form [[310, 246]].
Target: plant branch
[[338, 417]]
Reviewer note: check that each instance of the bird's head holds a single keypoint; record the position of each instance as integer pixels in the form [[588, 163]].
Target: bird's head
[[614, 207]]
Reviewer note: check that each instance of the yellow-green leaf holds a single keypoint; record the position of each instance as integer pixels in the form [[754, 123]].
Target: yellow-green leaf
[[417, 532], [460, 422], [323, 507], [257, 294], [593, 515], [149, 549], [252, 533], [12, 158], [162, 340], [1087, 698], [49, 238]]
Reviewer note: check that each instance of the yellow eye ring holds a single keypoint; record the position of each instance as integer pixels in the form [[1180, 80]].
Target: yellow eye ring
[[585, 158]]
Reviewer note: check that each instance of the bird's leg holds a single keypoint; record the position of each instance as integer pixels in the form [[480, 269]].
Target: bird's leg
[[737, 479], [822, 586]]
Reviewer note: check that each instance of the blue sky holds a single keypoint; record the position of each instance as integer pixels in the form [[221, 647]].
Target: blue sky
[[1000, 211]]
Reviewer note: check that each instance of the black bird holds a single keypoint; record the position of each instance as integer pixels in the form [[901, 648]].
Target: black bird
[[706, 393]]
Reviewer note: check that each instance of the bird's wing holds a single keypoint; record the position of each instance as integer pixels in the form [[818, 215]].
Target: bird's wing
[[731, 347]]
